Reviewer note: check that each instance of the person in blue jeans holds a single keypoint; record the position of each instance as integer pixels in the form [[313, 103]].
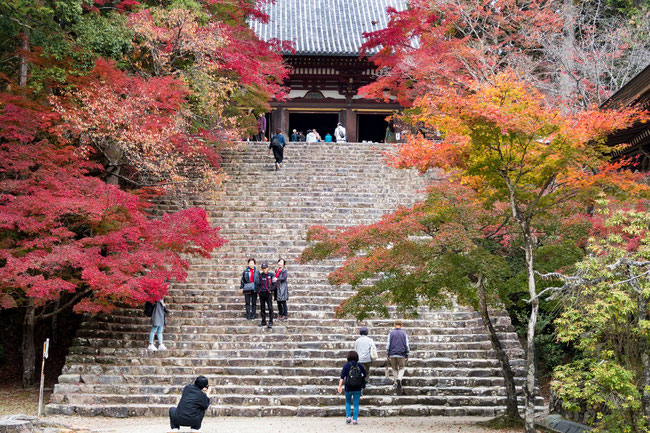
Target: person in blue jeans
[[158, 322], [353, 376]]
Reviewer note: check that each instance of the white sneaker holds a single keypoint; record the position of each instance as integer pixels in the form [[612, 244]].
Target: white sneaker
[[162, 347], [152, 347]]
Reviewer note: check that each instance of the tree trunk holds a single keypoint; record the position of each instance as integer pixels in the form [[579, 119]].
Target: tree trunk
[[644, 386], [55, 323], [22, 62], [530, 339], [28, 349], [567, 56], [508, 377]]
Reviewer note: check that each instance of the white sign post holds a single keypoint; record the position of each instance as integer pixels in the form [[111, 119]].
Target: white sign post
[[46, 349]]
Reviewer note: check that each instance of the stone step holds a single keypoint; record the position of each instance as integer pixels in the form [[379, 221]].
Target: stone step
[[119, 411], [303, 340], [107, 346], [223, 383], [328, 398], [130, 358]]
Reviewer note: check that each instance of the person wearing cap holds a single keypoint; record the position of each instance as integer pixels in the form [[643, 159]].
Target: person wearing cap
[[340, 134], [366, 349], [397, 351], [265, 292], [190, 411]]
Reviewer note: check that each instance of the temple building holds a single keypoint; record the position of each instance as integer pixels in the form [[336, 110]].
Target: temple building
[[327, 69], [636, 93]]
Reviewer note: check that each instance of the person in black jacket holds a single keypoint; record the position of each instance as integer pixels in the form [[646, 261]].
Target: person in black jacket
[[194, 402], [277, 146], [265, 290], [249, 281]]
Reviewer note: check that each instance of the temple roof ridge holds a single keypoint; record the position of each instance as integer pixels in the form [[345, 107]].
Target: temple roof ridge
[[325, 27]]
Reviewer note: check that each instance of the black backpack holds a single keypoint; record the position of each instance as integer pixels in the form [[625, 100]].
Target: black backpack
[[275, 141], [355, 378], [148, 309]]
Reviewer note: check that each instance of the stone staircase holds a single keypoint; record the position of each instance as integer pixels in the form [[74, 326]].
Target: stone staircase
[[292, 369]]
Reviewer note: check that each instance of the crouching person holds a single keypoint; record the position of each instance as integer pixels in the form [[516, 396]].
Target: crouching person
[[191, 409]]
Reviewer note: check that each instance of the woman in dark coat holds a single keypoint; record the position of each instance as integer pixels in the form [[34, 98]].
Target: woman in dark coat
[[281, 289], [250, 279]]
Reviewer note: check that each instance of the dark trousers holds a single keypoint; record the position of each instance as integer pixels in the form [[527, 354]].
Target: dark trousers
[[251, 304], [278, 153], [266, 303], [176, 423], [282, 308]]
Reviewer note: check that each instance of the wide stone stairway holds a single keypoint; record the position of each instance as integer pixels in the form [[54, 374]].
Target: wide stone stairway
[[292, 369]]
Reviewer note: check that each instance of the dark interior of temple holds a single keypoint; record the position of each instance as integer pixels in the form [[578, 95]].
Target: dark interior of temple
[[371, 127], [322, 122]]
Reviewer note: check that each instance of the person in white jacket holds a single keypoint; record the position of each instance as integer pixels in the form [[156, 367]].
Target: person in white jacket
[[366, 349], [311, 137], [340, 134]]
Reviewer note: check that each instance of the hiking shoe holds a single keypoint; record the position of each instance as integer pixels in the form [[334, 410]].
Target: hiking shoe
[[162, 347], [262, 324], [355, 422], [270, 325], [152, 347], [277, 166], [399, 384], [348, 420]]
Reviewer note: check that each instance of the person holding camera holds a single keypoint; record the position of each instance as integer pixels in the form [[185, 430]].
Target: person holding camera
[[250, 281], [190, 411]]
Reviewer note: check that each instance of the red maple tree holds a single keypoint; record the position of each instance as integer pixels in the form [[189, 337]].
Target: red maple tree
[[67, 236]]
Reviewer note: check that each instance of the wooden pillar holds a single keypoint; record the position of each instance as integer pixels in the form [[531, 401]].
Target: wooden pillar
[[280, 120], [349, 120]]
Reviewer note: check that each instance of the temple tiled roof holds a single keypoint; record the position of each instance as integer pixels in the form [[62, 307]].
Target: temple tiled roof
[[325, 27]]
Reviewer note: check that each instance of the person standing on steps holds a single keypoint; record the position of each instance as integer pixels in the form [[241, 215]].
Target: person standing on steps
[[397, 350], [190, 411], [281, 289], [311, 137], [353, 376], [249, 282], [366, 349], [277, 146], [265, 291], [340, 134], [294, 135], [158, 322], [391, 134], [261, 128]]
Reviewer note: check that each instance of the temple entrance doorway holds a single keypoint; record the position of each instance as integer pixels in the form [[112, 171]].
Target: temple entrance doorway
[[322, 122], [372, 127]]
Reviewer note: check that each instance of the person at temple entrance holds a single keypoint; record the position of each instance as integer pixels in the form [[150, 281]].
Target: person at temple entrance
[[340, 133], [328, 138], [311, 137], [294, 136]]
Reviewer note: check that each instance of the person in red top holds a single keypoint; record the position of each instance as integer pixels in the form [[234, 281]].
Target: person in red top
[[250, 280]]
